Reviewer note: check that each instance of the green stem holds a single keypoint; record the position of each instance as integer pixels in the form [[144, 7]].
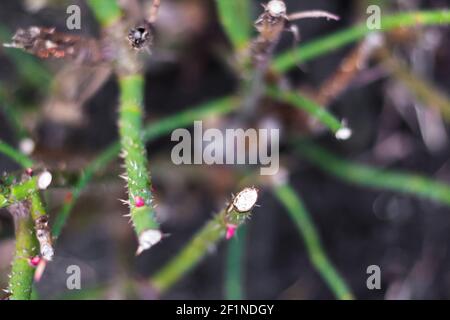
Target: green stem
[[294, 206], [312, 108], [135, 155], [37, 206], [373, 177], [309, 51], [151, 132], [99, 163], [17, 156], [20, 284], [235, 16], [234, 266], [196, 249], [107, 12], [17, 192]]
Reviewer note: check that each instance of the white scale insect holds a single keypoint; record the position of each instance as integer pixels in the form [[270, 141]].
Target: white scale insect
[[244, 200]]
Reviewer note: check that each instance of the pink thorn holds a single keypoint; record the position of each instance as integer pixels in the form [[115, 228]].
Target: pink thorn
[[34, 261], [231, 230], [40, 270], [139, 202]]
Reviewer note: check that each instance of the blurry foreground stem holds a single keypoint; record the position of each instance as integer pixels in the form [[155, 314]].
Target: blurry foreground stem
[[234, 281], [203, 242], [294, 206], [373, 177]]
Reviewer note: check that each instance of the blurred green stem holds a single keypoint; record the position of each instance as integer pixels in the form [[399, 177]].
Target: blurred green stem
[[151, 132], [203, 242], [312, 108], [424, 91], [17, 156], [234, 271], [235, 16], [107, 12], [308, 51], [294, 206], [372, 177]]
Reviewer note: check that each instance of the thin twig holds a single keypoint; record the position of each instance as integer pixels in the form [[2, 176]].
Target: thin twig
[[153, 16], [312, 14]]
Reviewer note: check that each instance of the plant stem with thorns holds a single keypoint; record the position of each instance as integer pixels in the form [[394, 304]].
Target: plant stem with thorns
[[142, 213], [10, 194], [20, 283], [203, 242], [309, 106]]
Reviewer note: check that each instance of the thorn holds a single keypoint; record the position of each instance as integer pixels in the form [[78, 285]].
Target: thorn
[[34, 261], [231, 230], [125, 202], [40, 270]]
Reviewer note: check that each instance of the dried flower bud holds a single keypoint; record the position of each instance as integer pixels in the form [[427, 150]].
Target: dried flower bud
[[276, 8], [47, 43], [141, 36]]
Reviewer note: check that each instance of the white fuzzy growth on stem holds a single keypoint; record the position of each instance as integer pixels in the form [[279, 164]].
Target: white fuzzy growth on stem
[[148, 239]]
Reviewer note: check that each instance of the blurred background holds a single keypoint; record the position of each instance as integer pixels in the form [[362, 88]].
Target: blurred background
[[70, 113]]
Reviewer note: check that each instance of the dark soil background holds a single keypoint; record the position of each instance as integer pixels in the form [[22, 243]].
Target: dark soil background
[[406, 236]]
